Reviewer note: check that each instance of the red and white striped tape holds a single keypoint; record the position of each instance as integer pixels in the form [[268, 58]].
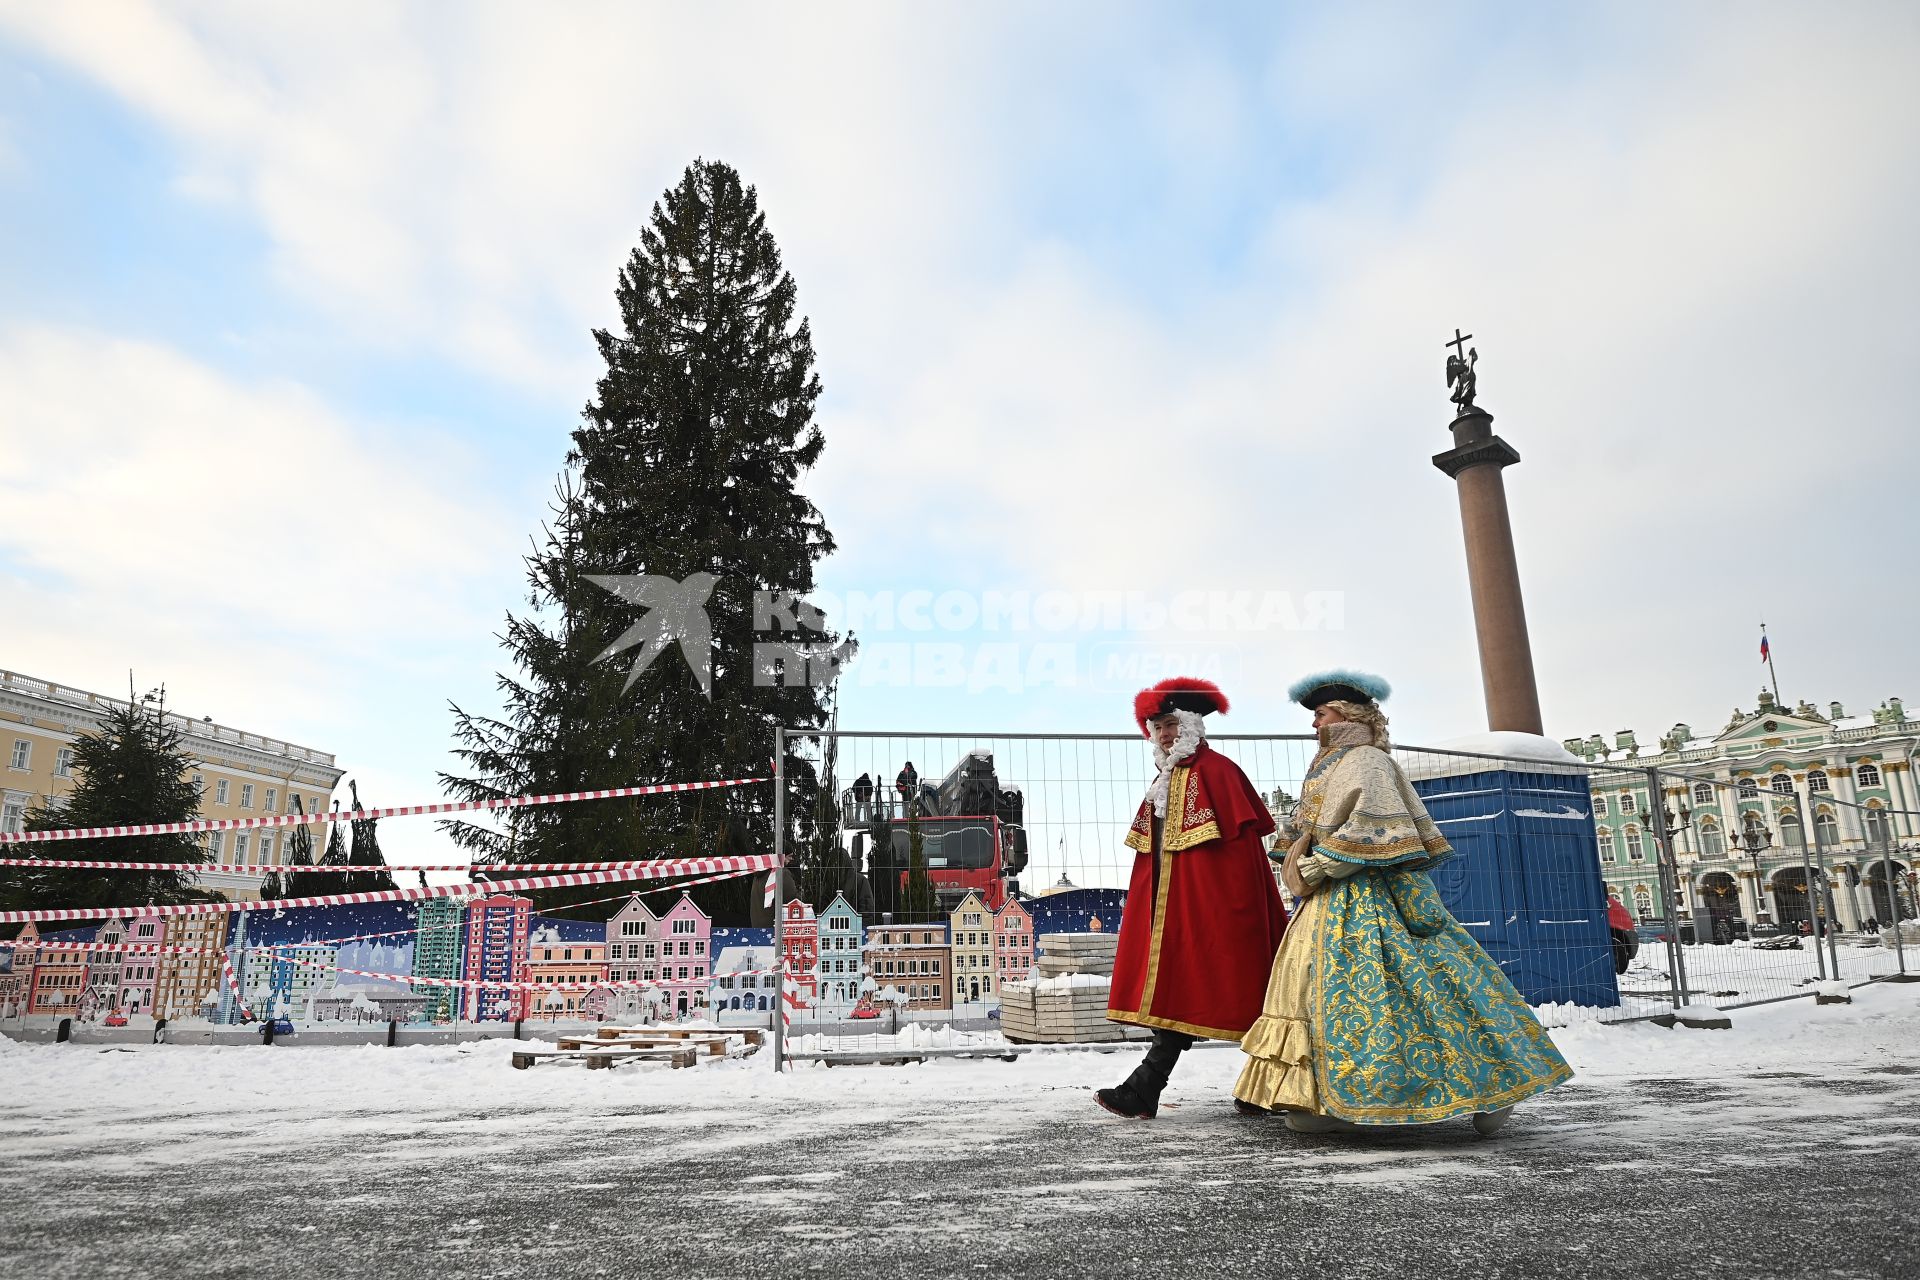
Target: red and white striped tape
[[261, 868], [352, 815], [773, 888], [732, 866], [130, 948], [233, 983], [163, 949]]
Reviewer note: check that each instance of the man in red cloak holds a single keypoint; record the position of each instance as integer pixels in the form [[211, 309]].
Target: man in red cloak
[[1203, 915]]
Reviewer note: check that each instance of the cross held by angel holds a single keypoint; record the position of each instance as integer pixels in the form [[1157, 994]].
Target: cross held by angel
[[1460, 375]]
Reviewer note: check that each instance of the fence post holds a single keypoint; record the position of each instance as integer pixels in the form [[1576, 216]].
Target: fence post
[[779, 906], [1669, 886], [1806, 883], [1892, 884], [1832, 938]]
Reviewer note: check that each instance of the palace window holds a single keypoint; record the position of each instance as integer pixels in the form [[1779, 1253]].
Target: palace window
[[1878, 831], [1790, 833], [1643, 901], [1867, 775], [13, 816], [1634, 851], [22, 752], [1606, 844], [1626, 803], [1600, 807], [246, 795], [1703, 793], [1749, 788], [63, 763], [273, 800], [1781, 784], [240, 847], [266, 847], [1817, 781], [1712, 845], [220, 791], [1826, 831]]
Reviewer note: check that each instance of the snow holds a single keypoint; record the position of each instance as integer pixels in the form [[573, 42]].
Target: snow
[[185, 1097], [1520, 746], [1062, 982], [1567, 813], [1697, 1009]]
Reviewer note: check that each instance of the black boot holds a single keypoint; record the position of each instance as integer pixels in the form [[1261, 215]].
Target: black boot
[[1138, 1098]]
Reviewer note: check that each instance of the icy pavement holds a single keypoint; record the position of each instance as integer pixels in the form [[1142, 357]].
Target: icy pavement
[[1786, 1147]]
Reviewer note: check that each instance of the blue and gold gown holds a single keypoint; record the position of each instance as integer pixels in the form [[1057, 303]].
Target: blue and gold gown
[[1380, 1008]]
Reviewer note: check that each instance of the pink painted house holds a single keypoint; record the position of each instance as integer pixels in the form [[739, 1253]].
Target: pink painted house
[[1013, 943], [686, 956], [140, 971]]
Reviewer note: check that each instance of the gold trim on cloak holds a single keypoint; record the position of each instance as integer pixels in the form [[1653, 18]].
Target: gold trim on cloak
[[1177, 793]]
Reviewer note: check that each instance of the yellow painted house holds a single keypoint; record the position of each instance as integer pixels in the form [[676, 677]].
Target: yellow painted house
[[974, 971]]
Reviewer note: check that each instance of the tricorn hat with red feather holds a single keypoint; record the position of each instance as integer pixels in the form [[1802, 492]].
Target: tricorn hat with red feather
[[1178, 693]]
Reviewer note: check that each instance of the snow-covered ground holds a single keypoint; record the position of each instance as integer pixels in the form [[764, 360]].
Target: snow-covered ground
[[1785, 1146]]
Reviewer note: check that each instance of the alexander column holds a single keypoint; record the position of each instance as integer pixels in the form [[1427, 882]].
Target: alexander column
[[1499, 616]]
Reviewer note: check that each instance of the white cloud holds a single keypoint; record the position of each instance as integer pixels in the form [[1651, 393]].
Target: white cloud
[[161, 516], [1681, 240]]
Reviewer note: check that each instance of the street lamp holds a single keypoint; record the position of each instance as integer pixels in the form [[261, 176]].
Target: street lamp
[[1753, 839]]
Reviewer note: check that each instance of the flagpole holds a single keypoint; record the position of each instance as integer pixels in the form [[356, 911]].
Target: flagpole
[[1768, 650]]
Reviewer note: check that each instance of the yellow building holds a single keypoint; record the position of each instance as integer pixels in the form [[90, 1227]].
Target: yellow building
[[240, 774], [971, 928]]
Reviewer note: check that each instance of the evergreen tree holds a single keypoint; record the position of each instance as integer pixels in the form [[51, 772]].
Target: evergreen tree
[[299, 849], [365, 852], [135, 769], [315, 885], [686, 463]]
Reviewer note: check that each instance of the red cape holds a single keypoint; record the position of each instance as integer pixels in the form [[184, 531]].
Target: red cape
[[1203, 916]]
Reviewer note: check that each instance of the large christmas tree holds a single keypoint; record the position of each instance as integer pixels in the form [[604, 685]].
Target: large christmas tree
[[133, 770], [686, 469]]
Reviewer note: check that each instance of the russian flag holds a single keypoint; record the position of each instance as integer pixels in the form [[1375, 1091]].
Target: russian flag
[[1765, 652]]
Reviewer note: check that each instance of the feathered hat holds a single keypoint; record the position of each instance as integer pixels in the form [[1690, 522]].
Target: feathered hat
[[1339, 685], [1178, 693]]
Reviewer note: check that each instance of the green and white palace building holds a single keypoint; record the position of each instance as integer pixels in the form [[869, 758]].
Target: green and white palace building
[[1837, 788]]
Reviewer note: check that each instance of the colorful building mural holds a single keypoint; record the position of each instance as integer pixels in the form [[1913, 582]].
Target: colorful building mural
[[800, 949], [496, 951], [841, 963], [436, 954], [914, 961], [1012, 943], [971, 929]]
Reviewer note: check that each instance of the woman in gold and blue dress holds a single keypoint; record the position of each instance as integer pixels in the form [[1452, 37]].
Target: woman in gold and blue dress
[[1380, 1009]]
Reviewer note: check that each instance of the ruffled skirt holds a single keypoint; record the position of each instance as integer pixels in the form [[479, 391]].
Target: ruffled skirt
[[1368, 1022]]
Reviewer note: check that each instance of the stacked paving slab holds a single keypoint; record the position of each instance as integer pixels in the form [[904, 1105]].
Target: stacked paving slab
[[1066, 1002]]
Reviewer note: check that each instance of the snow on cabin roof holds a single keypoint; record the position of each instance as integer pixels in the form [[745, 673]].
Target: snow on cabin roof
[[734, 959]]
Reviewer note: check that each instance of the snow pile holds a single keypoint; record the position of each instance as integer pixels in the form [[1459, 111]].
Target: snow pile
[[1425, 761], [1061, 982], [1566, 812], [1835, 989], [1698, 1010]]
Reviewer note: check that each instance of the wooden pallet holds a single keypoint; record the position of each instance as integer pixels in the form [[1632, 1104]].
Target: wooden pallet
[[716, 1046], [600, 1059], [753, 1036]]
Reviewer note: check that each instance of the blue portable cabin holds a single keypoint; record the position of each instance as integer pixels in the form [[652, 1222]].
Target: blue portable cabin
[[1525, 876]]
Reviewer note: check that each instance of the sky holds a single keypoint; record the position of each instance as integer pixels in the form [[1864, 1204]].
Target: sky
[[295, 313]]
